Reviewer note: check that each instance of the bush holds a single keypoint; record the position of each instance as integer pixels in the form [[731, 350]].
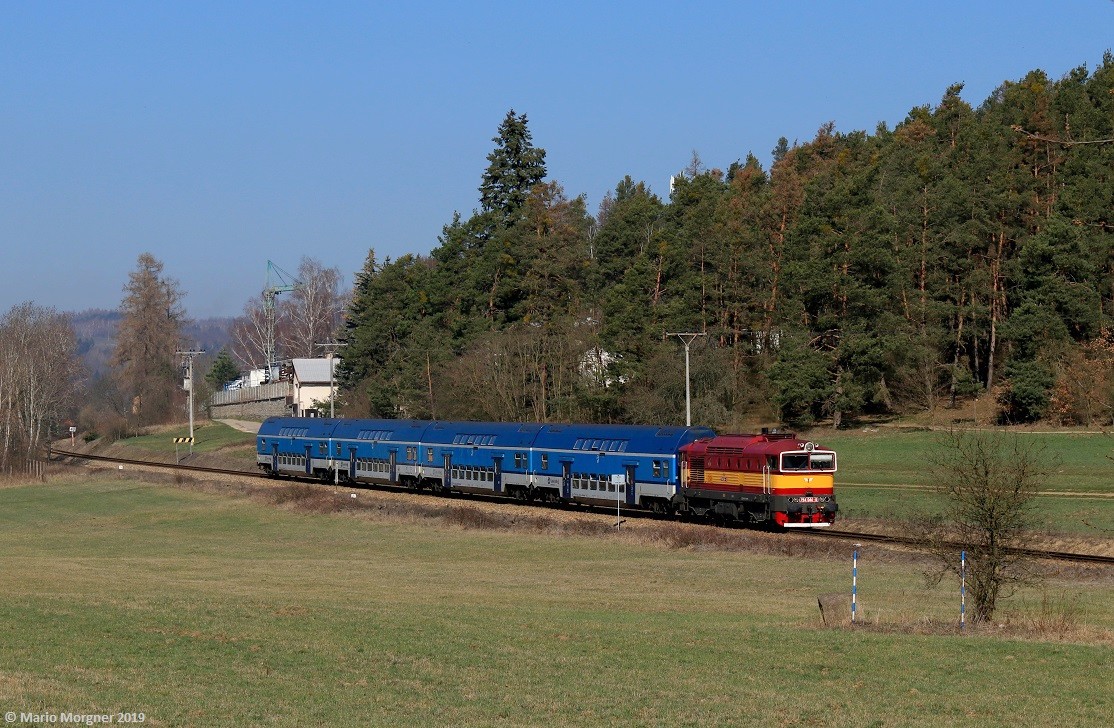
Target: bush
[[1025, 395]]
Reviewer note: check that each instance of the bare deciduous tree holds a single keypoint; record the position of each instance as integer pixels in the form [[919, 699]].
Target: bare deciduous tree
[[529, 372], [39, 370], [249, 334], [988, 481], [306, 316], [147, 339], [313, 309]]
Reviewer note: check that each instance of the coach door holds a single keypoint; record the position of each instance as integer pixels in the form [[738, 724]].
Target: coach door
[[274, 457], [309, 459], [394, 466], [498, 462], [566, 479], [447, 475], [351, 463], [630, 484]]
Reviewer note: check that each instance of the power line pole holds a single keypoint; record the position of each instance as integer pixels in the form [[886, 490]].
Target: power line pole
[[189, 355], [331, 356], [687, 338]]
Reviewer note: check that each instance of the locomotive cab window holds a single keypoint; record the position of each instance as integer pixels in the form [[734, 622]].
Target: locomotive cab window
[[794, 461], [823, 461]]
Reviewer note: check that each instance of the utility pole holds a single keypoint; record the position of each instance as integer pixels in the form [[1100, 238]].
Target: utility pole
[[687, 338], [331, 356], [188, 355]]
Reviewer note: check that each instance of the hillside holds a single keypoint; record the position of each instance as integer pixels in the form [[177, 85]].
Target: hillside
[[96, 336]]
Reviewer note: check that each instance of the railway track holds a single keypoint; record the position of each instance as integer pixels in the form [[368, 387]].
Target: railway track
[[907, 541], [817, 533]]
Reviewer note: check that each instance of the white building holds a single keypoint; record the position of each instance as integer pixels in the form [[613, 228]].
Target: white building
[[314, 381]]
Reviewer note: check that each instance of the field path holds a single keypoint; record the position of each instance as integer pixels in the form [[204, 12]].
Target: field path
[[242, 425]]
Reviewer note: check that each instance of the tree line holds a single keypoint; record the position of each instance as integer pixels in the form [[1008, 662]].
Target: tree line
[[146, 383], [965, 252]]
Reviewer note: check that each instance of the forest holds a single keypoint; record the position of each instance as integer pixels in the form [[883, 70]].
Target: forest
[[965, 253]]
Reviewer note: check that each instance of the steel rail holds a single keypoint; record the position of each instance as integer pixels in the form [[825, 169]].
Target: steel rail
[[909, 541]]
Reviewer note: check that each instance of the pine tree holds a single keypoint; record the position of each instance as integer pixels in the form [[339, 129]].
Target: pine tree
[[222, 371]]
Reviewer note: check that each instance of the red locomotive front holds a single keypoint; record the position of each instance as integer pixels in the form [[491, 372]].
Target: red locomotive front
[[769, 477]]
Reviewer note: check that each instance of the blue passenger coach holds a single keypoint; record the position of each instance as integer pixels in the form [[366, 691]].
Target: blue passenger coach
[[636, 464]]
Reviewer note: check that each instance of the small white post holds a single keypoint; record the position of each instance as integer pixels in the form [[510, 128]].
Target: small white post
[[854, 582], [963, 590], [618, 516]]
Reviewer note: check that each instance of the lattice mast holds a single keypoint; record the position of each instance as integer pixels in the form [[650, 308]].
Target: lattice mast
[[278, 281]]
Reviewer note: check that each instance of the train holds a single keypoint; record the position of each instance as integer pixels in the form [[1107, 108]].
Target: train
[[768, 478]]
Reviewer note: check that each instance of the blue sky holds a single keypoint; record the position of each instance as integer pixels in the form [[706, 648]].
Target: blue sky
[[220, 135]]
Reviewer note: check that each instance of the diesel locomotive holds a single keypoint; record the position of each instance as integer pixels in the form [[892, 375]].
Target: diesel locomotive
[[767, 478]]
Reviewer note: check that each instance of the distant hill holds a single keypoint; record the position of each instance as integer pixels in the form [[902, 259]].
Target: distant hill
[[96, 336]]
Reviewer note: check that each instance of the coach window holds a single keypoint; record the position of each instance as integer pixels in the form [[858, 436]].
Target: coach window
[[322, 448], [657, 468], [545, 462], [429, 454]]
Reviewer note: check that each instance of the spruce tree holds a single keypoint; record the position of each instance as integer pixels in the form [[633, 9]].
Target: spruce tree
[[514, 167]]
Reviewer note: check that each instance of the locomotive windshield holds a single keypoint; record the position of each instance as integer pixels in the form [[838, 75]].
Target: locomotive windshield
[[808, 461]]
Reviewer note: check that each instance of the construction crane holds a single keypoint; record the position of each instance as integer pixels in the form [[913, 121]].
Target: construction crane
[[278, 281]]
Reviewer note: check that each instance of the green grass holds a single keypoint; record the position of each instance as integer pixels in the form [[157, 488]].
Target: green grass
[[1074, 516], [870, 460], [202, 609], [208, 437], [1084, 465]]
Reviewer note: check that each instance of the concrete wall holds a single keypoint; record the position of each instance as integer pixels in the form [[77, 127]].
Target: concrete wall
[[257, 410]]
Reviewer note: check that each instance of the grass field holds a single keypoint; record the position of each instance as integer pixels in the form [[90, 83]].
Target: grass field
[[871, 462], [1083, 462], [208, 437], [210, 609], [1089, 516]]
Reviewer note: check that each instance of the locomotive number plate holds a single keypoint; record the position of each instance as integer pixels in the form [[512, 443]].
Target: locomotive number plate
[[808, 499]]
